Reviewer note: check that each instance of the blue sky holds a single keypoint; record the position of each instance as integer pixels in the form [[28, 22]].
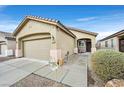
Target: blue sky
[[104, 20]]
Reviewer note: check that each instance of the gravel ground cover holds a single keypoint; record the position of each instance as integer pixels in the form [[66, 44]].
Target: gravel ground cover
[[37, 81]]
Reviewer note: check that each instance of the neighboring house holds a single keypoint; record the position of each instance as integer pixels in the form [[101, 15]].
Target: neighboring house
[[45, 39], [114, 41], [7, 44]]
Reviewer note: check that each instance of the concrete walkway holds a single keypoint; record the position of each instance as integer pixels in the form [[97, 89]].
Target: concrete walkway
[[73, 73], [77, 66]]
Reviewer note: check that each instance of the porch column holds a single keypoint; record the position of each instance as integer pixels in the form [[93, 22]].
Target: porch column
[[76, 47], [93, 45], [18, 51]]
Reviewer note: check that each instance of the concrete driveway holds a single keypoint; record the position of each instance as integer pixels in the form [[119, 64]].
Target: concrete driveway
[[14, 70], [2, 59], [73, 73]]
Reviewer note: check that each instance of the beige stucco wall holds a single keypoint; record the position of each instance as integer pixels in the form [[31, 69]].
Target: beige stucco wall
[[33, 27], [2, 38], [65, 42], [11, 44], [4, 50], [8, 47], [3, 45], [115, 42], [81, 35]]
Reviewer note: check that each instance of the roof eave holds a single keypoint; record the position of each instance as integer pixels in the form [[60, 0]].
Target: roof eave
[[113, 35], [87, 32], [19, 26]]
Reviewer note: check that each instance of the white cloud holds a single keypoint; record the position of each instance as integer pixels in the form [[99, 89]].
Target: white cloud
[[103, 25], [102, 35], [101, 18], [86, 19], [8, 26]]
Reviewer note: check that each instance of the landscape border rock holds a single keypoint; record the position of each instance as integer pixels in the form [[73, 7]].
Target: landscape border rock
[[115, 83]]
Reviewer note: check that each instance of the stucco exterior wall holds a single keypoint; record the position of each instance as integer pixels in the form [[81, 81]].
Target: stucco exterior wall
[[115, 43], [3, 46], [33, 27], [4, 50], [2, 38], [81, 35], [11, 44], [65, 42]]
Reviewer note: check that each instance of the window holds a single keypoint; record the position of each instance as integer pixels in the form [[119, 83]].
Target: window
[[81, 43], [106, 43], [112, 43]]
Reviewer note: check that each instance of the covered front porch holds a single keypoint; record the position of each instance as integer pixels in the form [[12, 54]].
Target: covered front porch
[[84, 45]]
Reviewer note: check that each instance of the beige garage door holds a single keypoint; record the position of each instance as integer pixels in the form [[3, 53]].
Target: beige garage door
[[37, 49]]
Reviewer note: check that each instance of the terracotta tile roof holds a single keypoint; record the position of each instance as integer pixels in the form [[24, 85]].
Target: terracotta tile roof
[[53, 21], [47, 19], [66, 27], [83, 31], [113, 35], [39, 17]]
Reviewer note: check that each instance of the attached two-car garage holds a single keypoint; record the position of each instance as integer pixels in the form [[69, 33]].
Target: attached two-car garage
[[42, 39], [37, 49]]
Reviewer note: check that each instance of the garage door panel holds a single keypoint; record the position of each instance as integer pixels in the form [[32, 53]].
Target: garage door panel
[[37, 49]]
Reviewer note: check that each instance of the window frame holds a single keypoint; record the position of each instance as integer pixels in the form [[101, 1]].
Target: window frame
[[112, 43]]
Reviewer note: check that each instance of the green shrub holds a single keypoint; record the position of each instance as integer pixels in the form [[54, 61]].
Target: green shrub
[[108, 64]]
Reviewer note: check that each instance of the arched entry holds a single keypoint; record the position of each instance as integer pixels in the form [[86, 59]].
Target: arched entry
[[84, 45]]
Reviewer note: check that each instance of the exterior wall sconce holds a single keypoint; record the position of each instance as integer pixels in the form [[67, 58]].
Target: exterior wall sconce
[[53, 39]]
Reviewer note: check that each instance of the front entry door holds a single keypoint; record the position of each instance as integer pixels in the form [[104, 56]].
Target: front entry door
[[88, 46], [121, 45]]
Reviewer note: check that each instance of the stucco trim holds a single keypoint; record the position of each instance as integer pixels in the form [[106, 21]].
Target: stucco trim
[[33, 34], [48, 37], [20, 39]]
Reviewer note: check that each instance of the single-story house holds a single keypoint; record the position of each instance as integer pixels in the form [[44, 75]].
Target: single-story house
[[7, 44], [45, 39], [114, 41]]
